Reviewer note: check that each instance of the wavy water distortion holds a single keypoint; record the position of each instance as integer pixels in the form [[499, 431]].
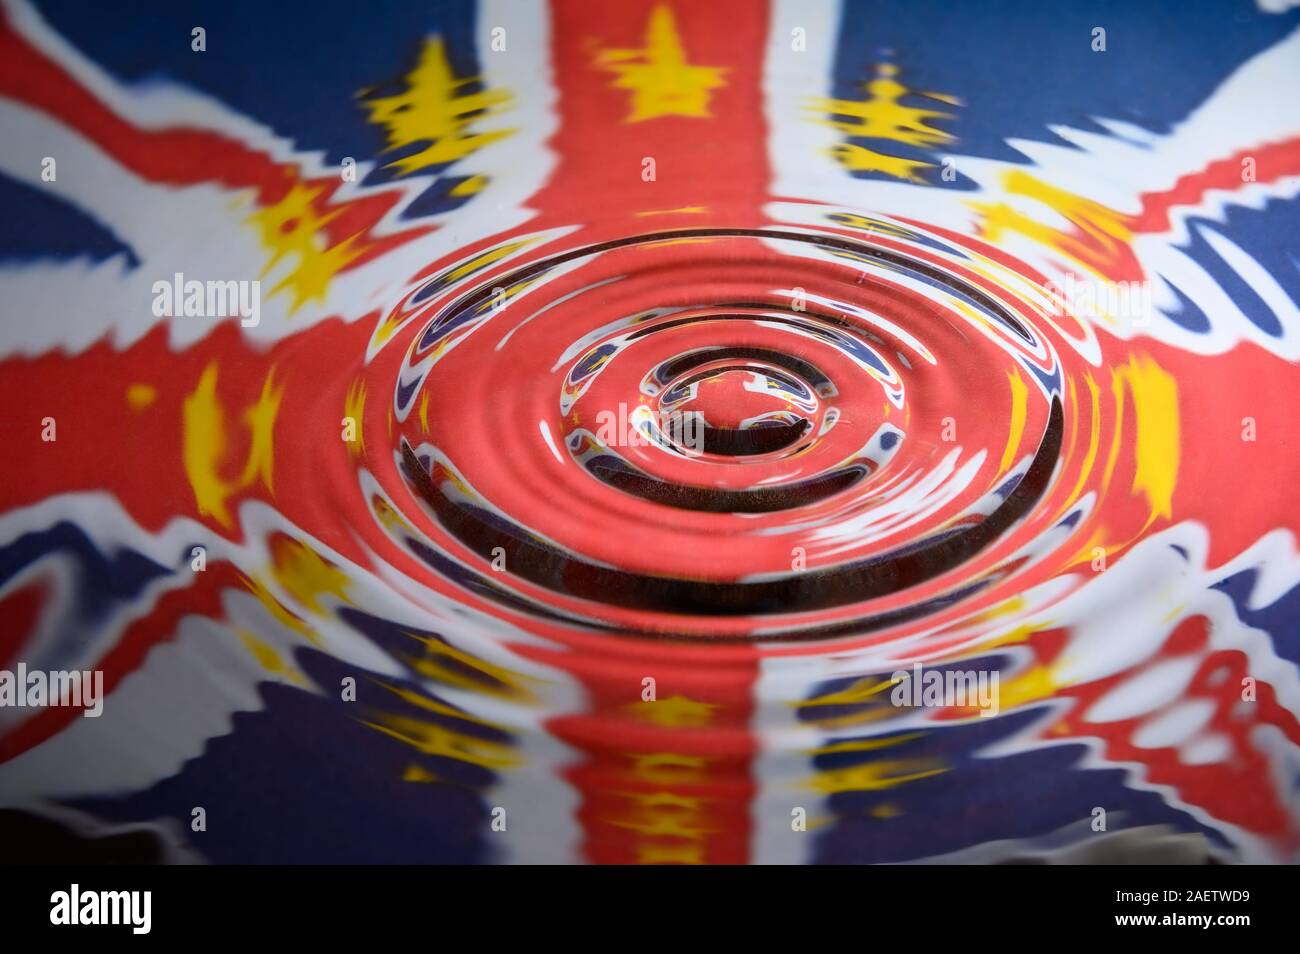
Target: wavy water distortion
[[651, 441], [794, 463]]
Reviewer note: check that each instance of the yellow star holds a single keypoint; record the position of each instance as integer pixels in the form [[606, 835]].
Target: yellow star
[[649, 853], [668, 768], [883, 116], [292, 229], [437, 110], [675, 712], [662, 81]]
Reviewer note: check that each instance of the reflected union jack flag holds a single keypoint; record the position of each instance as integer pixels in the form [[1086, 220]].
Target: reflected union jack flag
[[650, 432]]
